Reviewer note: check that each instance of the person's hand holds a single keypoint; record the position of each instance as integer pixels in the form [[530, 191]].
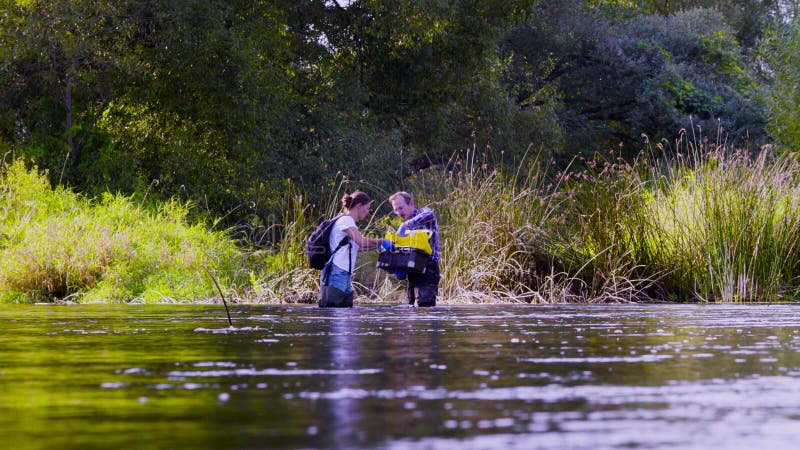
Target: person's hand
[[401, 231], [385, 244], [400, 274]]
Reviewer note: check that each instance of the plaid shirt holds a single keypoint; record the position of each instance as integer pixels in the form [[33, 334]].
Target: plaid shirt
[[425, 219]]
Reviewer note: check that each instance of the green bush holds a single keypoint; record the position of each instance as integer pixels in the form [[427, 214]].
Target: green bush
[[56, 245]]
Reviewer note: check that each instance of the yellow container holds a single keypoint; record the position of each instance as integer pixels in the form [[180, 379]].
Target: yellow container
[[417, 239]]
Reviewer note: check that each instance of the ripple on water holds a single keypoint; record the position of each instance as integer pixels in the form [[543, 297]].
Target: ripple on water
[[247, 372]]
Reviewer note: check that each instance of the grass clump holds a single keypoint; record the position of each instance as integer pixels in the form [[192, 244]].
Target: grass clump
[[732, 224], [496, 232], [707, 223], [57, 245]]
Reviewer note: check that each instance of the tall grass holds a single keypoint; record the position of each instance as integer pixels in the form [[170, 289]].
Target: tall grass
[[279, 272], [706, 223], [496, 231], [57, 245], [733, 224]]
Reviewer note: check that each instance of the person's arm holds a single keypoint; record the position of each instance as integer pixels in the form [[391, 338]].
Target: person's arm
[[425, 215], [364, 243]]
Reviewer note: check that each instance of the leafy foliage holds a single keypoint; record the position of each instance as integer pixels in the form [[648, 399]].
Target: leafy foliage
[[226, 103], [57, 245], [615, 80], [781, 55]]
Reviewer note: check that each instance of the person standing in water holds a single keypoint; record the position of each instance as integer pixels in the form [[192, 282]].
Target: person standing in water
[[422, 288], [336, 279]]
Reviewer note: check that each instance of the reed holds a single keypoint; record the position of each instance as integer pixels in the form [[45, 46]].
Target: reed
[[732, 222], [699, 222], [495, 231], [280, 273]]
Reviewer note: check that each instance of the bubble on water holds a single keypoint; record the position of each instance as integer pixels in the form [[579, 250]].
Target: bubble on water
[[503, 422], [214, 364], [484, 424]]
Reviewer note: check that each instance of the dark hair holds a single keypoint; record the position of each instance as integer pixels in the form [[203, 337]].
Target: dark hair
[[354, 199]]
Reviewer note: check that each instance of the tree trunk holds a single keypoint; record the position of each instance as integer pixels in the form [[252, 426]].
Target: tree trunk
[[73, 151]]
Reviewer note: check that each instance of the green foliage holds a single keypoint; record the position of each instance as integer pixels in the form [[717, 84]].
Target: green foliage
[[57, 245], [618, 79], [713, 226], [494, 231], [232, 104], [781, 53]]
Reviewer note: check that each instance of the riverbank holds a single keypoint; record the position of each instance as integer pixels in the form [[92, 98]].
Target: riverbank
[[698, 223]]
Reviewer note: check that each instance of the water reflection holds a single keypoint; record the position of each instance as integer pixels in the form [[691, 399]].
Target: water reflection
[[343, 352], [578, 377]]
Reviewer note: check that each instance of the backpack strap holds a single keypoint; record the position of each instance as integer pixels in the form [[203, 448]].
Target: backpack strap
[[345, 241]]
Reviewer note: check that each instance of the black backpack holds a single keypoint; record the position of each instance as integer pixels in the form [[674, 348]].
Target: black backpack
[[317, 249]]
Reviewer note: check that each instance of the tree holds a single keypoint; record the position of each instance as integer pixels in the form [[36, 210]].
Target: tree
[[59, 71], [781, 55], [617, 79]]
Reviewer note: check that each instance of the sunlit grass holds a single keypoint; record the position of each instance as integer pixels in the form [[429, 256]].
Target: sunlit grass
[[706, 224], [56, 245], [732, 224], [495, 232]]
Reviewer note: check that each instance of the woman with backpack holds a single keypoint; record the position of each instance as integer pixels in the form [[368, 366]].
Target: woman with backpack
[[336, 280]]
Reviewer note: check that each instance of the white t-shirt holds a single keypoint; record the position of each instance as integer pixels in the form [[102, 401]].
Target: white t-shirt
[[337, 233]]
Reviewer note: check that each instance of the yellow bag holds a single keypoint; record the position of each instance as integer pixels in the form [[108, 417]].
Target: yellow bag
[[410, 253], [416, 239]]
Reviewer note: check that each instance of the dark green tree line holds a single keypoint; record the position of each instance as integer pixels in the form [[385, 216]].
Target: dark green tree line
[[229, 103]]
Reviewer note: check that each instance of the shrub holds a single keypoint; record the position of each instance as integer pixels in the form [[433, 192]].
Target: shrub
[[56, 245]]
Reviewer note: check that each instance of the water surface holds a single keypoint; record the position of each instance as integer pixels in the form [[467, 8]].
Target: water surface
[[511, 376]]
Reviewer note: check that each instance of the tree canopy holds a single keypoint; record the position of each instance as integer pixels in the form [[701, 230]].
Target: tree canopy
[[227, 103]]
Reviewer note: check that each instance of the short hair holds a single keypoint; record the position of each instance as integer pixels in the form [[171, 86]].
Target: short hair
[[354, 199], [406, 196]]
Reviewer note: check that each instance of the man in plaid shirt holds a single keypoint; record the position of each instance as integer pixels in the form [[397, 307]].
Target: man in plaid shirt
[[422, 287]]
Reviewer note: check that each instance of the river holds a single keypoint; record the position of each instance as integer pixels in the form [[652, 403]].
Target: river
[[391, 377]]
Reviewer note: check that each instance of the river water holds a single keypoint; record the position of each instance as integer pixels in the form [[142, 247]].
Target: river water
[[390, 377]]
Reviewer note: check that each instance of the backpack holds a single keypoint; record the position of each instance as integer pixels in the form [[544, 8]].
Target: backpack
[[317, 249]]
